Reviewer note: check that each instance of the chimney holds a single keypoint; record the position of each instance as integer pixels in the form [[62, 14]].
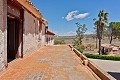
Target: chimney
[[46, 29]]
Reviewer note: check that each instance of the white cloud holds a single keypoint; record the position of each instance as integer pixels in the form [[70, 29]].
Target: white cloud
[[70, 33], [74, 15], [70, 15], [81, 15]]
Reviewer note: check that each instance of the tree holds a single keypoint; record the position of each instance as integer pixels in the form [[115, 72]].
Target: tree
[[80, 34], [114, 30], [96, 30], [100, 24]]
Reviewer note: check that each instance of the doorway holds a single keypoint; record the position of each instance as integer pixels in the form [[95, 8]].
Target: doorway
[[12, 37]]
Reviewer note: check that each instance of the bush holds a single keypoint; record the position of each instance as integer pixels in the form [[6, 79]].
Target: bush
[[59, 42], [90, 46], [114, 58], [82, 47], [79, 49]]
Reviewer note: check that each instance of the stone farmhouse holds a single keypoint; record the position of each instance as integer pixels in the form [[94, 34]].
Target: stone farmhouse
[[22, 30], [49, 37]]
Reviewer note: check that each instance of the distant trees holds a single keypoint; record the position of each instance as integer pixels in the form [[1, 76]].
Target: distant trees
[[100, 24], [114, 28]]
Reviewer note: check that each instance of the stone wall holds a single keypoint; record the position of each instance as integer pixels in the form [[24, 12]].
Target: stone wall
[[43, 35], [49, 39], [31, 35], [43, 40], [1, 49], [3, 33]]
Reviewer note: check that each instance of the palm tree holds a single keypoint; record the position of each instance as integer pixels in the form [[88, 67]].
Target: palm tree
[[111, 33], [96, 30], [100, 23]]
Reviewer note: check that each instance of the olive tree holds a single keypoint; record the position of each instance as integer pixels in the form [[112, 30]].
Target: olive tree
[[80, 35]]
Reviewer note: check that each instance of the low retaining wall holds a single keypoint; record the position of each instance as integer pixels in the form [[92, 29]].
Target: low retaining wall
[[99, 72]]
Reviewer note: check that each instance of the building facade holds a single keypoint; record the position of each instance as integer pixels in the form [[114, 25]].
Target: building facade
[[49, 37], [22, 30]]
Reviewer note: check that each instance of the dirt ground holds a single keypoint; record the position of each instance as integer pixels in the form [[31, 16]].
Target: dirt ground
[[86, 41], [104, 41]]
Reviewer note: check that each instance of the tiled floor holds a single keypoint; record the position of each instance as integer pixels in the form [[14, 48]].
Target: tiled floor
[[48, 63]]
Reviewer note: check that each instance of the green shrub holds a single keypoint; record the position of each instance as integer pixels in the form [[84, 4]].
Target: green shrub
[[80, 48], [114, 58], [59, 42]]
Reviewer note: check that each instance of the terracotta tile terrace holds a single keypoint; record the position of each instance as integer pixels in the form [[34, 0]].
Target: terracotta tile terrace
[[48, 63]]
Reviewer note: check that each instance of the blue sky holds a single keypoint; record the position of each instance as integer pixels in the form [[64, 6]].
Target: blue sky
[[63, 14]]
